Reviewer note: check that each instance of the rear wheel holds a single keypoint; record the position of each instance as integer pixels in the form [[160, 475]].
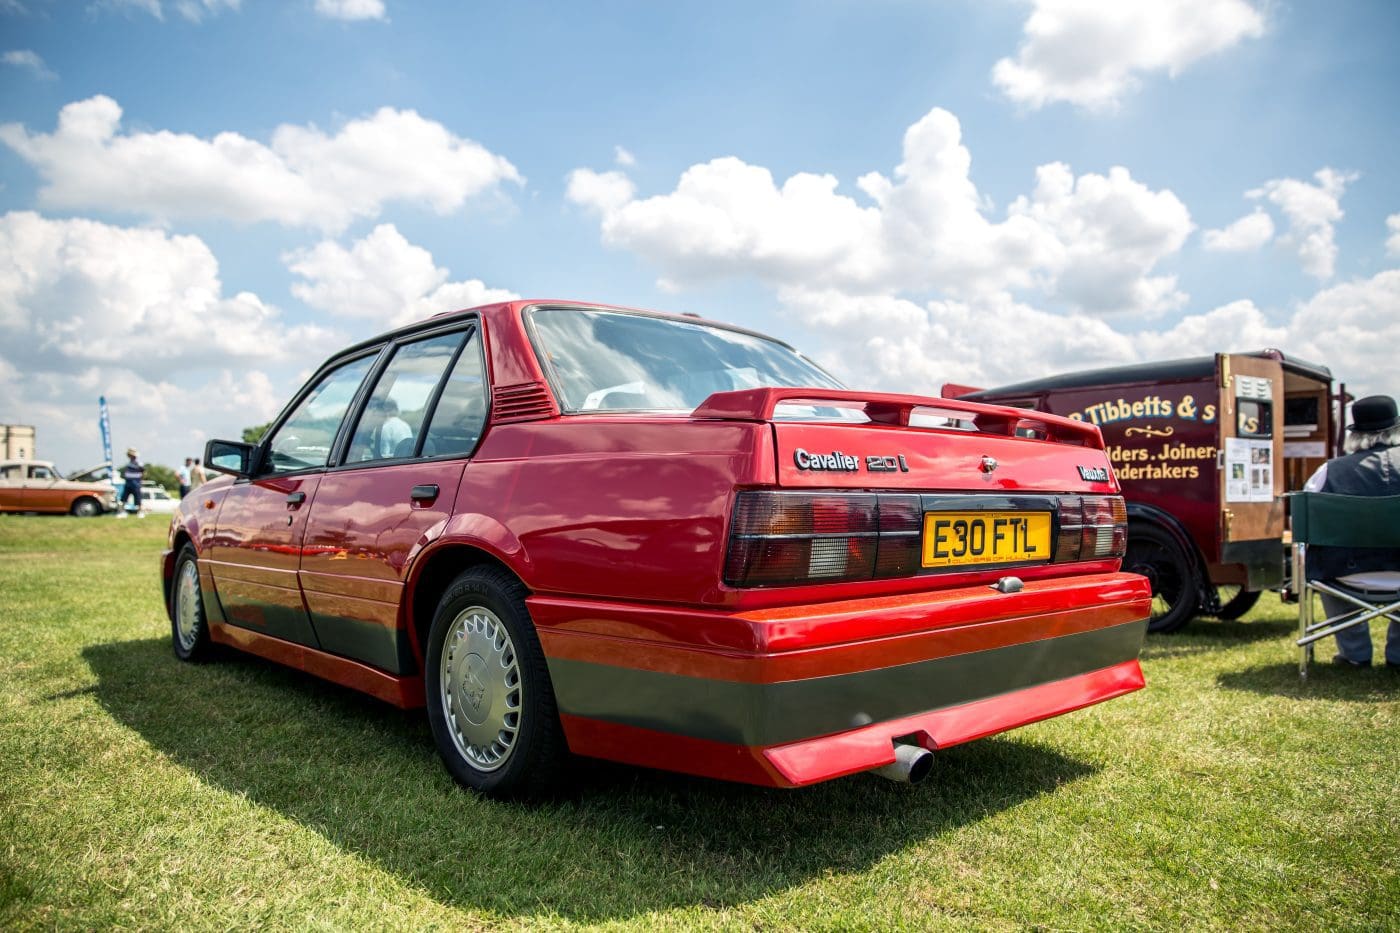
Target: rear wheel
[[490, 702], [1175, 595], [86, 507], [1235, 601]]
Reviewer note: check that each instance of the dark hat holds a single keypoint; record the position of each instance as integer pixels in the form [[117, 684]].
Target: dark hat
[[1373, 413]]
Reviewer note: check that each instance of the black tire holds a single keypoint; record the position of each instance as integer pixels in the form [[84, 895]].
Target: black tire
[[490, 701], [189, 626], [1235, 601], [1155, 554], [86, 507]]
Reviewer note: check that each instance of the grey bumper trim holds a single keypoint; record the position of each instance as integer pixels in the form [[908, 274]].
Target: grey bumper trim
[[774, 714]]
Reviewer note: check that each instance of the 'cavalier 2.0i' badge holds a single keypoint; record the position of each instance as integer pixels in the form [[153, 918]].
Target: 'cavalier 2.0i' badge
[[1093, 474], [846, 463]]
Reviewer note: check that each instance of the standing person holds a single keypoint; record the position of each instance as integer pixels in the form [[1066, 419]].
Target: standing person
[[197, 475], [1369, 467], [182, 473], [132, 473]]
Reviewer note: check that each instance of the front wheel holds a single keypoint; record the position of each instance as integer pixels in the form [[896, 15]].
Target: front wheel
[[189, 627], [490, 702], [1175, 594]]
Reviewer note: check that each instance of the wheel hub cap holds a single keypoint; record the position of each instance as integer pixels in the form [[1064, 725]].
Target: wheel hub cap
[[481, 688], [187, 605]]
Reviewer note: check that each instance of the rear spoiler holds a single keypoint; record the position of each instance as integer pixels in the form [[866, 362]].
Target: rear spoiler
[[897, 411]]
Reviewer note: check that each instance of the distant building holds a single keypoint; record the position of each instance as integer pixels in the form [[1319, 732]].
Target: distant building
[[17, 441]]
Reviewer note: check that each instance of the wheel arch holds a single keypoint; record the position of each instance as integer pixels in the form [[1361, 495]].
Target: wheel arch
[[167, 574], [85, 497], [434, 571]]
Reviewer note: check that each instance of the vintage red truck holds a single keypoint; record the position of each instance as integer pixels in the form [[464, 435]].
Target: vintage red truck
[[573, 529], [1204, 448]]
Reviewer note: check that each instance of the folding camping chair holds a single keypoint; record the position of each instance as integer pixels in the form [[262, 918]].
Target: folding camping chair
[[1323, 523]]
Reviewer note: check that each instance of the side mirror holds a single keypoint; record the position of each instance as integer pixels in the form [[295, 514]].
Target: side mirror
[[233, 457]]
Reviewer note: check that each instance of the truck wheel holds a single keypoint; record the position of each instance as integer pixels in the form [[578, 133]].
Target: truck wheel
[[490, 702], [86, 507], [1235, 601], [1156, 555]]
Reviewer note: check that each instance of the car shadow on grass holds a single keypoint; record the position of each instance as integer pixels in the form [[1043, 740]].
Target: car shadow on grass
[[1207, 635], [614, 843]]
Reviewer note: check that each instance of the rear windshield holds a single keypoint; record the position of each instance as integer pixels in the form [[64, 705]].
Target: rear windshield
[[608, 360]]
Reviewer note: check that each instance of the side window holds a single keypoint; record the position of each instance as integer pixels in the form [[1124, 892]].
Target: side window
[[461, 412], [11, 471], [392, 421], [304, 440], [38, 472]]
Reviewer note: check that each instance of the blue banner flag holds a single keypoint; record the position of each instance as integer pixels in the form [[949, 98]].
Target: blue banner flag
[[105, 423]]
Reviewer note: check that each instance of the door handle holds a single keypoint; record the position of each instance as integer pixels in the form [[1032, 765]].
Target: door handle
[[296, 498], [424, 493]]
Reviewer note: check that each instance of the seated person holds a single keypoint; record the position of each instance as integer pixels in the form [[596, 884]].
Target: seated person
[[1370, 467], [381, 431]]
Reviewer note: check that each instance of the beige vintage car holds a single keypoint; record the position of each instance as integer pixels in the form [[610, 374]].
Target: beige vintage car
[[37, 486]]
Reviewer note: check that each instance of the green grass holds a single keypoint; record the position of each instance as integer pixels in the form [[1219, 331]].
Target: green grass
[[138, 791]]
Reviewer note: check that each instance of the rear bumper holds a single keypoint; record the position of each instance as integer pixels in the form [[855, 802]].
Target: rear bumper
[[924, 671]]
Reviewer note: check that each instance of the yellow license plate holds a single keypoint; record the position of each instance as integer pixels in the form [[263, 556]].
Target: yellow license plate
[[952, 539]]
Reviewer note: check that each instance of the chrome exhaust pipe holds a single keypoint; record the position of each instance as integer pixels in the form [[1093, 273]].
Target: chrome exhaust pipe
[[911, 764]]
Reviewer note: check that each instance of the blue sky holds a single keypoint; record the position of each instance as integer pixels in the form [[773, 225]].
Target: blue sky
[[203, 199]]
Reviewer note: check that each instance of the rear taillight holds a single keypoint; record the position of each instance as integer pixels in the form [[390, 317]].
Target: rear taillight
[[1091, 528], [791, 538]]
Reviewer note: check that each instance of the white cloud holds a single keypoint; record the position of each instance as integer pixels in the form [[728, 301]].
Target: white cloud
[[383, 278], [1238, 325], [77, 292], [1392, 243], [140, 316], [605, 192], [1091, 53], [30, 61], [195, 10], [1091, 241], [1311, 211], [1108, 233], [350, 10], [305, 178], [623, 158], [1353, 328], [882, 342], [1245, 235], [192, 10]]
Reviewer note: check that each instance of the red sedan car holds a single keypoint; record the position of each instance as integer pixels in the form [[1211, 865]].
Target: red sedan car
[[572, 529]]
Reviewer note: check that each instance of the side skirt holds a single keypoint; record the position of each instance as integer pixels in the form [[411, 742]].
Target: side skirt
[[403, 692]]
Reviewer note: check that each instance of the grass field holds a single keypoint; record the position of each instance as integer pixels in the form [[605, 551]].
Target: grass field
[[138, 791]]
